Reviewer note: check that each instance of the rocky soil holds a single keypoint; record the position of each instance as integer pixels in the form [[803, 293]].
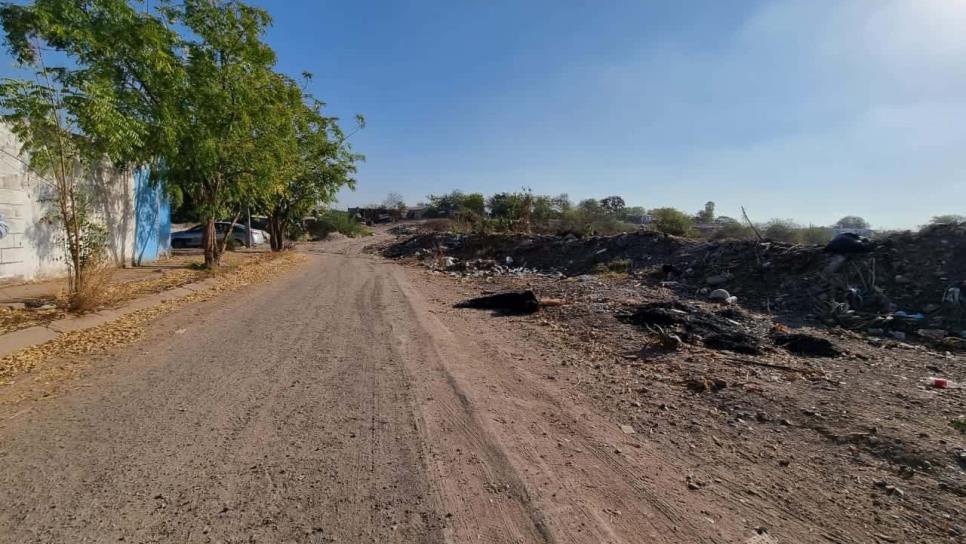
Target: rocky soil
[[846, 430]]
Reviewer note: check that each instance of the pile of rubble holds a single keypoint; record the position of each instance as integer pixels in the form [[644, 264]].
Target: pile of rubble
[[481, 268], [728, 329], [905, 285]]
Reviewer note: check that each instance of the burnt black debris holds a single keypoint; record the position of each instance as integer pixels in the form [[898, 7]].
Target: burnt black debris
[[507, 302], [807, 345], [849, 243], [696, 325]]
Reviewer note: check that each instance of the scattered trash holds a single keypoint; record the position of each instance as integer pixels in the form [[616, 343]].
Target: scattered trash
[[510, 302], [939, 383], [695, 325], [627, 429], [851, 282]]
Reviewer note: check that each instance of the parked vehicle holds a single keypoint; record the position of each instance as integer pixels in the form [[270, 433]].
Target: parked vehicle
[[193, 237]]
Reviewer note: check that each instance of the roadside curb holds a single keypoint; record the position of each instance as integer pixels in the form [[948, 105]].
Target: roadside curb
[[41, 334]]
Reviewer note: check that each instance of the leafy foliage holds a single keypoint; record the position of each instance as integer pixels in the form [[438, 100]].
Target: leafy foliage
[[852, 222], [326, 222], [457, 204], [613, 204], [672, 221], [189, 88]]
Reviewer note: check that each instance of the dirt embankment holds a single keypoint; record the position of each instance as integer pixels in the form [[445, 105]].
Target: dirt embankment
[[897, 288], [848, 432]]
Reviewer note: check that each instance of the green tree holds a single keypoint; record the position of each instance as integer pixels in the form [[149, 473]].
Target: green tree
[[231, 144], [188, 88], [548, 208], [672, 221], [613, 205], [948, 219], [86, 108], [457, 204], [507, 206], [852, 222], [323, 162]]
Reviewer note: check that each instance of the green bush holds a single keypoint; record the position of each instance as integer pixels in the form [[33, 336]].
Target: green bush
[[672, 221], [330, 221]]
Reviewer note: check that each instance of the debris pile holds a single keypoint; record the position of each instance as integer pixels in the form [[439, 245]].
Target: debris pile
[[695, 325], [908, 285], [482, 268], [567, 254]]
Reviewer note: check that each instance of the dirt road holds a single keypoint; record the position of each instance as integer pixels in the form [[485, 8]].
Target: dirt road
[[345, 402]]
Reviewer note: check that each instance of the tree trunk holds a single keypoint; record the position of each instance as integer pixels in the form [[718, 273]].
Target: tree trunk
[[275, 228], [229, 236], [210, 242]]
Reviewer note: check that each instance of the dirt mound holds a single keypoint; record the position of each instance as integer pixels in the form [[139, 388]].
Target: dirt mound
[[567, 254], [900, 278]]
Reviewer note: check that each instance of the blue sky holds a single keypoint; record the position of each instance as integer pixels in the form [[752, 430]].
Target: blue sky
[[802, 109], [805, 109]]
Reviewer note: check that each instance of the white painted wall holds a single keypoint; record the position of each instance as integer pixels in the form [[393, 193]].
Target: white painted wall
[[32, 248]]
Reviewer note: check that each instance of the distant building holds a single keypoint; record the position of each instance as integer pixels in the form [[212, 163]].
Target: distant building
[[372, 216]]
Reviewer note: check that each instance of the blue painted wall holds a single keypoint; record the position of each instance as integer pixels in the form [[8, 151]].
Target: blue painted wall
[[152, 231]]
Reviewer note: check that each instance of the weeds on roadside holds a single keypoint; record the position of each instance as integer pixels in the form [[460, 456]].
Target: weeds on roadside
[[95, 292]]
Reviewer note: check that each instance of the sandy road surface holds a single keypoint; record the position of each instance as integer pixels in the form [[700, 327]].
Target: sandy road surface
[[340, 403]]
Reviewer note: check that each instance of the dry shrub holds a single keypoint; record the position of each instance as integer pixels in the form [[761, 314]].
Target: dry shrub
[[95, 290], [437, 225]]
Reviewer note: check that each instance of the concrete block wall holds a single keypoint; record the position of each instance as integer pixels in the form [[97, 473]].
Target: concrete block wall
[[33, 248]]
